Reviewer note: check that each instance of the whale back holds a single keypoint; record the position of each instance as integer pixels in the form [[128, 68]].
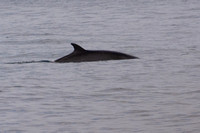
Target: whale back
[[81, 55]]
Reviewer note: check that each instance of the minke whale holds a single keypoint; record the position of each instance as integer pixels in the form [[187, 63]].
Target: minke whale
[[82, 55]]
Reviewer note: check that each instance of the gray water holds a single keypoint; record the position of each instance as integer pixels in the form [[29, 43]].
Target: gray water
[[158, 93]]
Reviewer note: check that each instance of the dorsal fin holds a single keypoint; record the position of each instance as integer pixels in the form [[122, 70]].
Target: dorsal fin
[[77, 48]]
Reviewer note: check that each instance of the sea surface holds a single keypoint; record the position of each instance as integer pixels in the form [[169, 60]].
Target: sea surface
[[158, 93]]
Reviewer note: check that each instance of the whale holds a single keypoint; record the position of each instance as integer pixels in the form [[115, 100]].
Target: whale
[[82, 55]]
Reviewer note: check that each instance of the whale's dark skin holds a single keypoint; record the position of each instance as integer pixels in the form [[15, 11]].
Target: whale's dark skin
[[81, 55]]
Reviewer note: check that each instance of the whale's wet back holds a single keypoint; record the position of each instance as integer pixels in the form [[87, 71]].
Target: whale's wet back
[[81, 55]]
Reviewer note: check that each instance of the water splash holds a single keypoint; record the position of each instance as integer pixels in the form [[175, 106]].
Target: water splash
[[26, 62]]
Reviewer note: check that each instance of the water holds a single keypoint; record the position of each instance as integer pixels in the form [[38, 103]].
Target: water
[[160, 92]]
